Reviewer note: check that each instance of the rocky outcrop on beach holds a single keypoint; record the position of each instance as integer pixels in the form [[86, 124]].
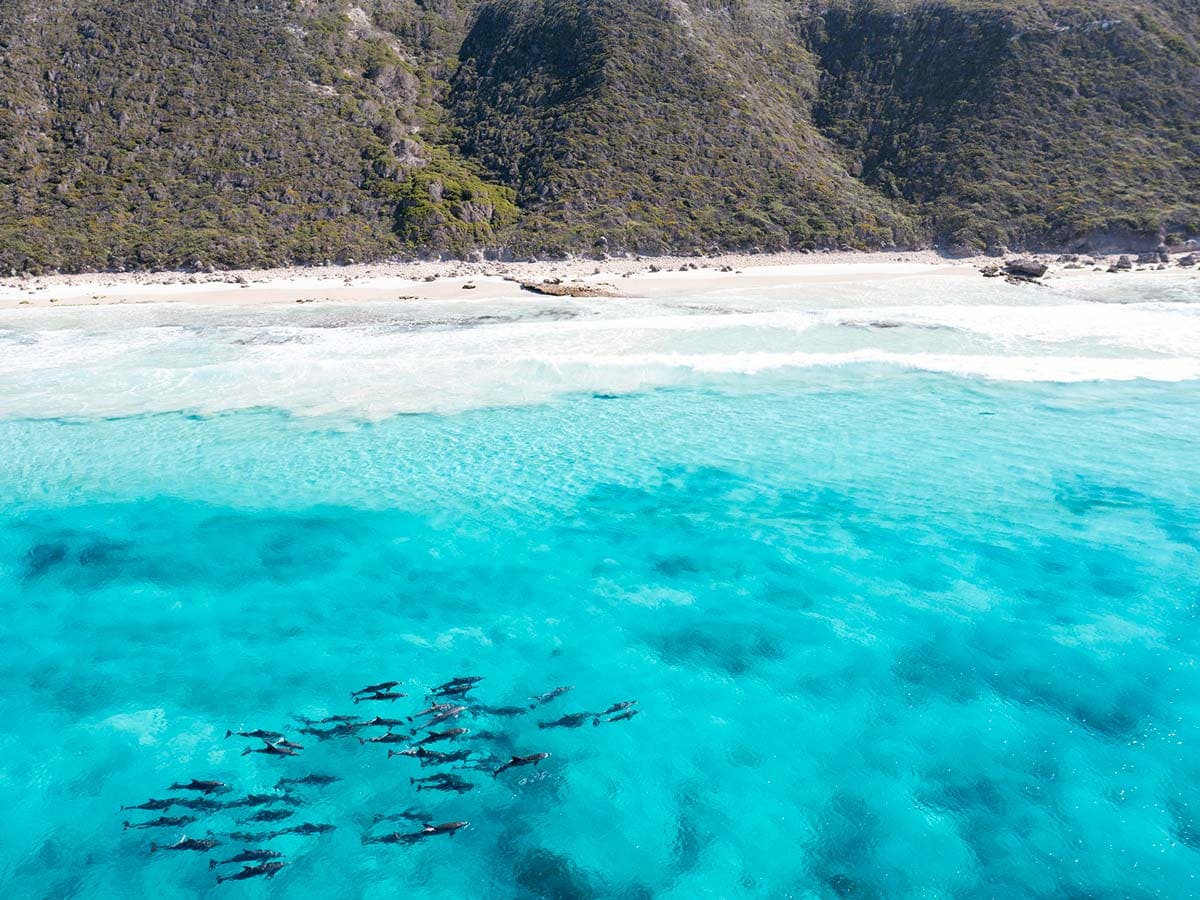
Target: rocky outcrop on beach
[[1028, 269], [554, 287]]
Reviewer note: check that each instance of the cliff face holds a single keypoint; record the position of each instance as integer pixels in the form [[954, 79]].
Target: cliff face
[[150, 133]]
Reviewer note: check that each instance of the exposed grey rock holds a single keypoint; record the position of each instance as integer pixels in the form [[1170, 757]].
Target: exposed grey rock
[[1025, 268]]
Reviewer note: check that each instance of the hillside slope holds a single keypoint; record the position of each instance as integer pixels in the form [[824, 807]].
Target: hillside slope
[[1011, 122], [162, 133]]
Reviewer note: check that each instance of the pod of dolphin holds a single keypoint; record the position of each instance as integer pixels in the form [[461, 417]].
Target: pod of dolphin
[[447, 704]]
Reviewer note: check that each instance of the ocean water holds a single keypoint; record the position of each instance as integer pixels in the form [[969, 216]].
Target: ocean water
[[904, 576]]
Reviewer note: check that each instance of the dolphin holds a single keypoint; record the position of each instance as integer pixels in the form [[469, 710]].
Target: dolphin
[[446, 782], [617, 707], [531, 760], [436, 777], [433, 758], [502, 710], [261, 800], [452, 690], [396, 837], [187, 843], [204, 787], [450, 734], [572, 720], [315, 779], [431, 710], [388, 737], [153, 804], [447, 828], [342, 729], [245, 856], [307, 828], [628, 714], [545, 698], [375, 688], [267, 869], [162, 822], [256, 733], [452, 713], [270, 750], [328, 720], [459, 681]]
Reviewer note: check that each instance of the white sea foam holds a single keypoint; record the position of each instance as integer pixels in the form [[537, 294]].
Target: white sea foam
[[385, 359]]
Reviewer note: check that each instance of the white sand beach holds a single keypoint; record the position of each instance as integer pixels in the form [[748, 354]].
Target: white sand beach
[[445, 280]]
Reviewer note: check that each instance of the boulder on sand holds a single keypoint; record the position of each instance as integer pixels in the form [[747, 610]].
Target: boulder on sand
[[1025, 268]]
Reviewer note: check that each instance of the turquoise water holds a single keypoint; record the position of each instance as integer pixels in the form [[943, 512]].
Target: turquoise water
[[893, 632]]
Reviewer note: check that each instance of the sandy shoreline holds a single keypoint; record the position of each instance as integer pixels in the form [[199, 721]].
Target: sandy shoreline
[[362, 283]]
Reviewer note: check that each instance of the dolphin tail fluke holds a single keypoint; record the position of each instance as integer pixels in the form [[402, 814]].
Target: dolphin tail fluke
[[228, 733], [126, 826], [361, 741], [595, 721], [246, 751], [212, 864], [153, 847]]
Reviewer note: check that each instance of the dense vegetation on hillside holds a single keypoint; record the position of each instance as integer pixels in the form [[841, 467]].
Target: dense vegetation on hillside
[[1017, 122], [156, 133]]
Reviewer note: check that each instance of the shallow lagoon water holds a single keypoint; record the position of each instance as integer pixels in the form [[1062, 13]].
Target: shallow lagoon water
[[895, 630]]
